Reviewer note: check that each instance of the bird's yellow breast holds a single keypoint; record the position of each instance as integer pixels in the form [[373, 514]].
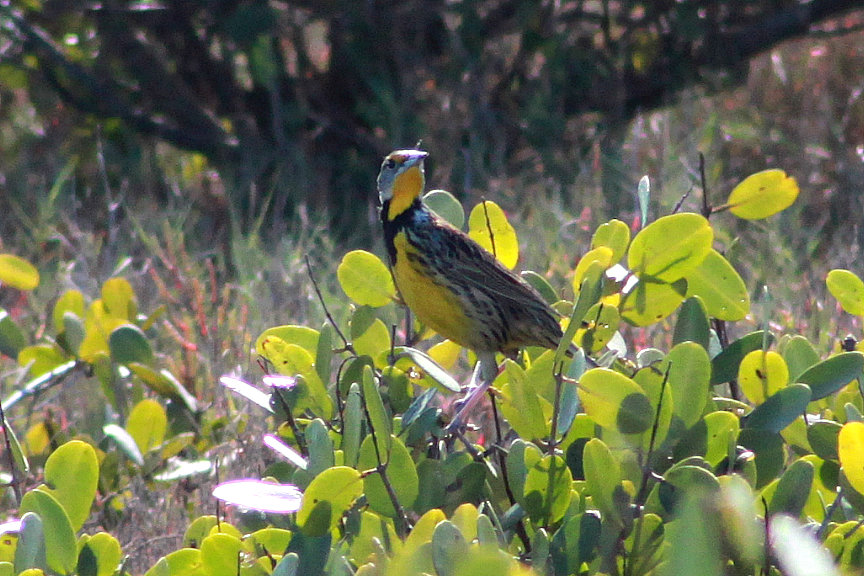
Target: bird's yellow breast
[[431, 301]]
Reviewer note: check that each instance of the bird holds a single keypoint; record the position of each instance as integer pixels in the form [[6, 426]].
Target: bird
[[451, 283]]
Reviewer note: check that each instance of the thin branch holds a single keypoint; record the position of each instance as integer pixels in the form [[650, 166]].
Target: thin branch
[[13, 469], [347, 345]]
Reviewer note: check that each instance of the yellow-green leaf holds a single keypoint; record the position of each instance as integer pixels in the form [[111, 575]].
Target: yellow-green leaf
[[615, 401], [445, 205], [366, 279], [848, 289], [293, 360], [147, 424], [763, 194], [850, 446], [671, 247], [327, 497], [615, 235], [72, 472], [761, 374], [602, 254], [71, 301], [650, 302], [721, 288], [18, 273], [303, 336], [490, 225], [119, 299]]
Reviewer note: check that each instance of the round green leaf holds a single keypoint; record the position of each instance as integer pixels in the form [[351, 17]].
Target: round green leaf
[[105, 549], [371, 338], [671, 247], [615, 235], [547, 490], [575, 542], [147, 425], [165, 384], [401, 473], [293, 360], [692, 324], [832, 374], [792, 490], [770, 453], [521, 405], [327, 498], [540, 284], [366, 279], [722, 430], [119, 299], [721, 288], [445, 205], [220, 554], [489, 227], [183, 562], [71, 476], [848, 289], [763, 194], [822, 436], [614, 401], [761, 374], [128, 343], [650, 302], [72, 301], [724, 366], [780, 409], [18, 273], [61, 552], [42, 358]]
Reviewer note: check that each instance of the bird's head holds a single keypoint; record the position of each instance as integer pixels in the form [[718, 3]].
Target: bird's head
[[401, 180]]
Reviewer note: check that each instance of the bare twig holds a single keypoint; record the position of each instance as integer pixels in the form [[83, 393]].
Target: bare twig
[[347, 345]]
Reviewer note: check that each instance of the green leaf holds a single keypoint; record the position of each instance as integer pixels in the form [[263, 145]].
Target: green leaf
[[848, 289], [448, 548], [793, 489], [320, 447], [128, 343], [401, 473], [724, 366], [614, 235], [379, 422], [125, 442], [761, 374], [614, 401], [832, 374], [351, 425], [429, 366], [12, 340], [671, 247], [18, 273], [71, 475], [366, 279], [327, 498], [603, 476], [30, 548], [165, 384], [822, 435], [850, 448], [186, 561], [689, 375], [780, 409], [324, 352], [799, 354], [521, 405], [119, 299], [692, 325], [72, 301], [303, 336], [147, 424], [547, 490], [293, 360], [575, 542], [369, 335], [650, 301], [763, 194], [106, 551], [61, 553], [445, 205], [489, 227], [769, 449], [693, 539], [542, 286], [721, 288], [220, 554], [19, 460]]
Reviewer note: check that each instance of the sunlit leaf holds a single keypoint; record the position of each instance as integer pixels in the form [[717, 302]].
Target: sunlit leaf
[[763, 194], [366, 279], [848, 289], [327, 497], [18, 273], [489, 227], [761, 374], [671, 247], [614, 235], [721, 288]]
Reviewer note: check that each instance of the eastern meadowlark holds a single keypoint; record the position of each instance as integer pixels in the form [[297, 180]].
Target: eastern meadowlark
[[451, 283]]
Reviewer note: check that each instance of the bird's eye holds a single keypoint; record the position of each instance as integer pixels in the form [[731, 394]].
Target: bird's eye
[[390, 163]]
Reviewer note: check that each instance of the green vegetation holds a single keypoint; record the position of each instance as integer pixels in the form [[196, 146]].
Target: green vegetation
[[708, 452]]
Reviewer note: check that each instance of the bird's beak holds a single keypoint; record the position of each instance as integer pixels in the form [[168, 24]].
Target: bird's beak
[[412, 157]]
